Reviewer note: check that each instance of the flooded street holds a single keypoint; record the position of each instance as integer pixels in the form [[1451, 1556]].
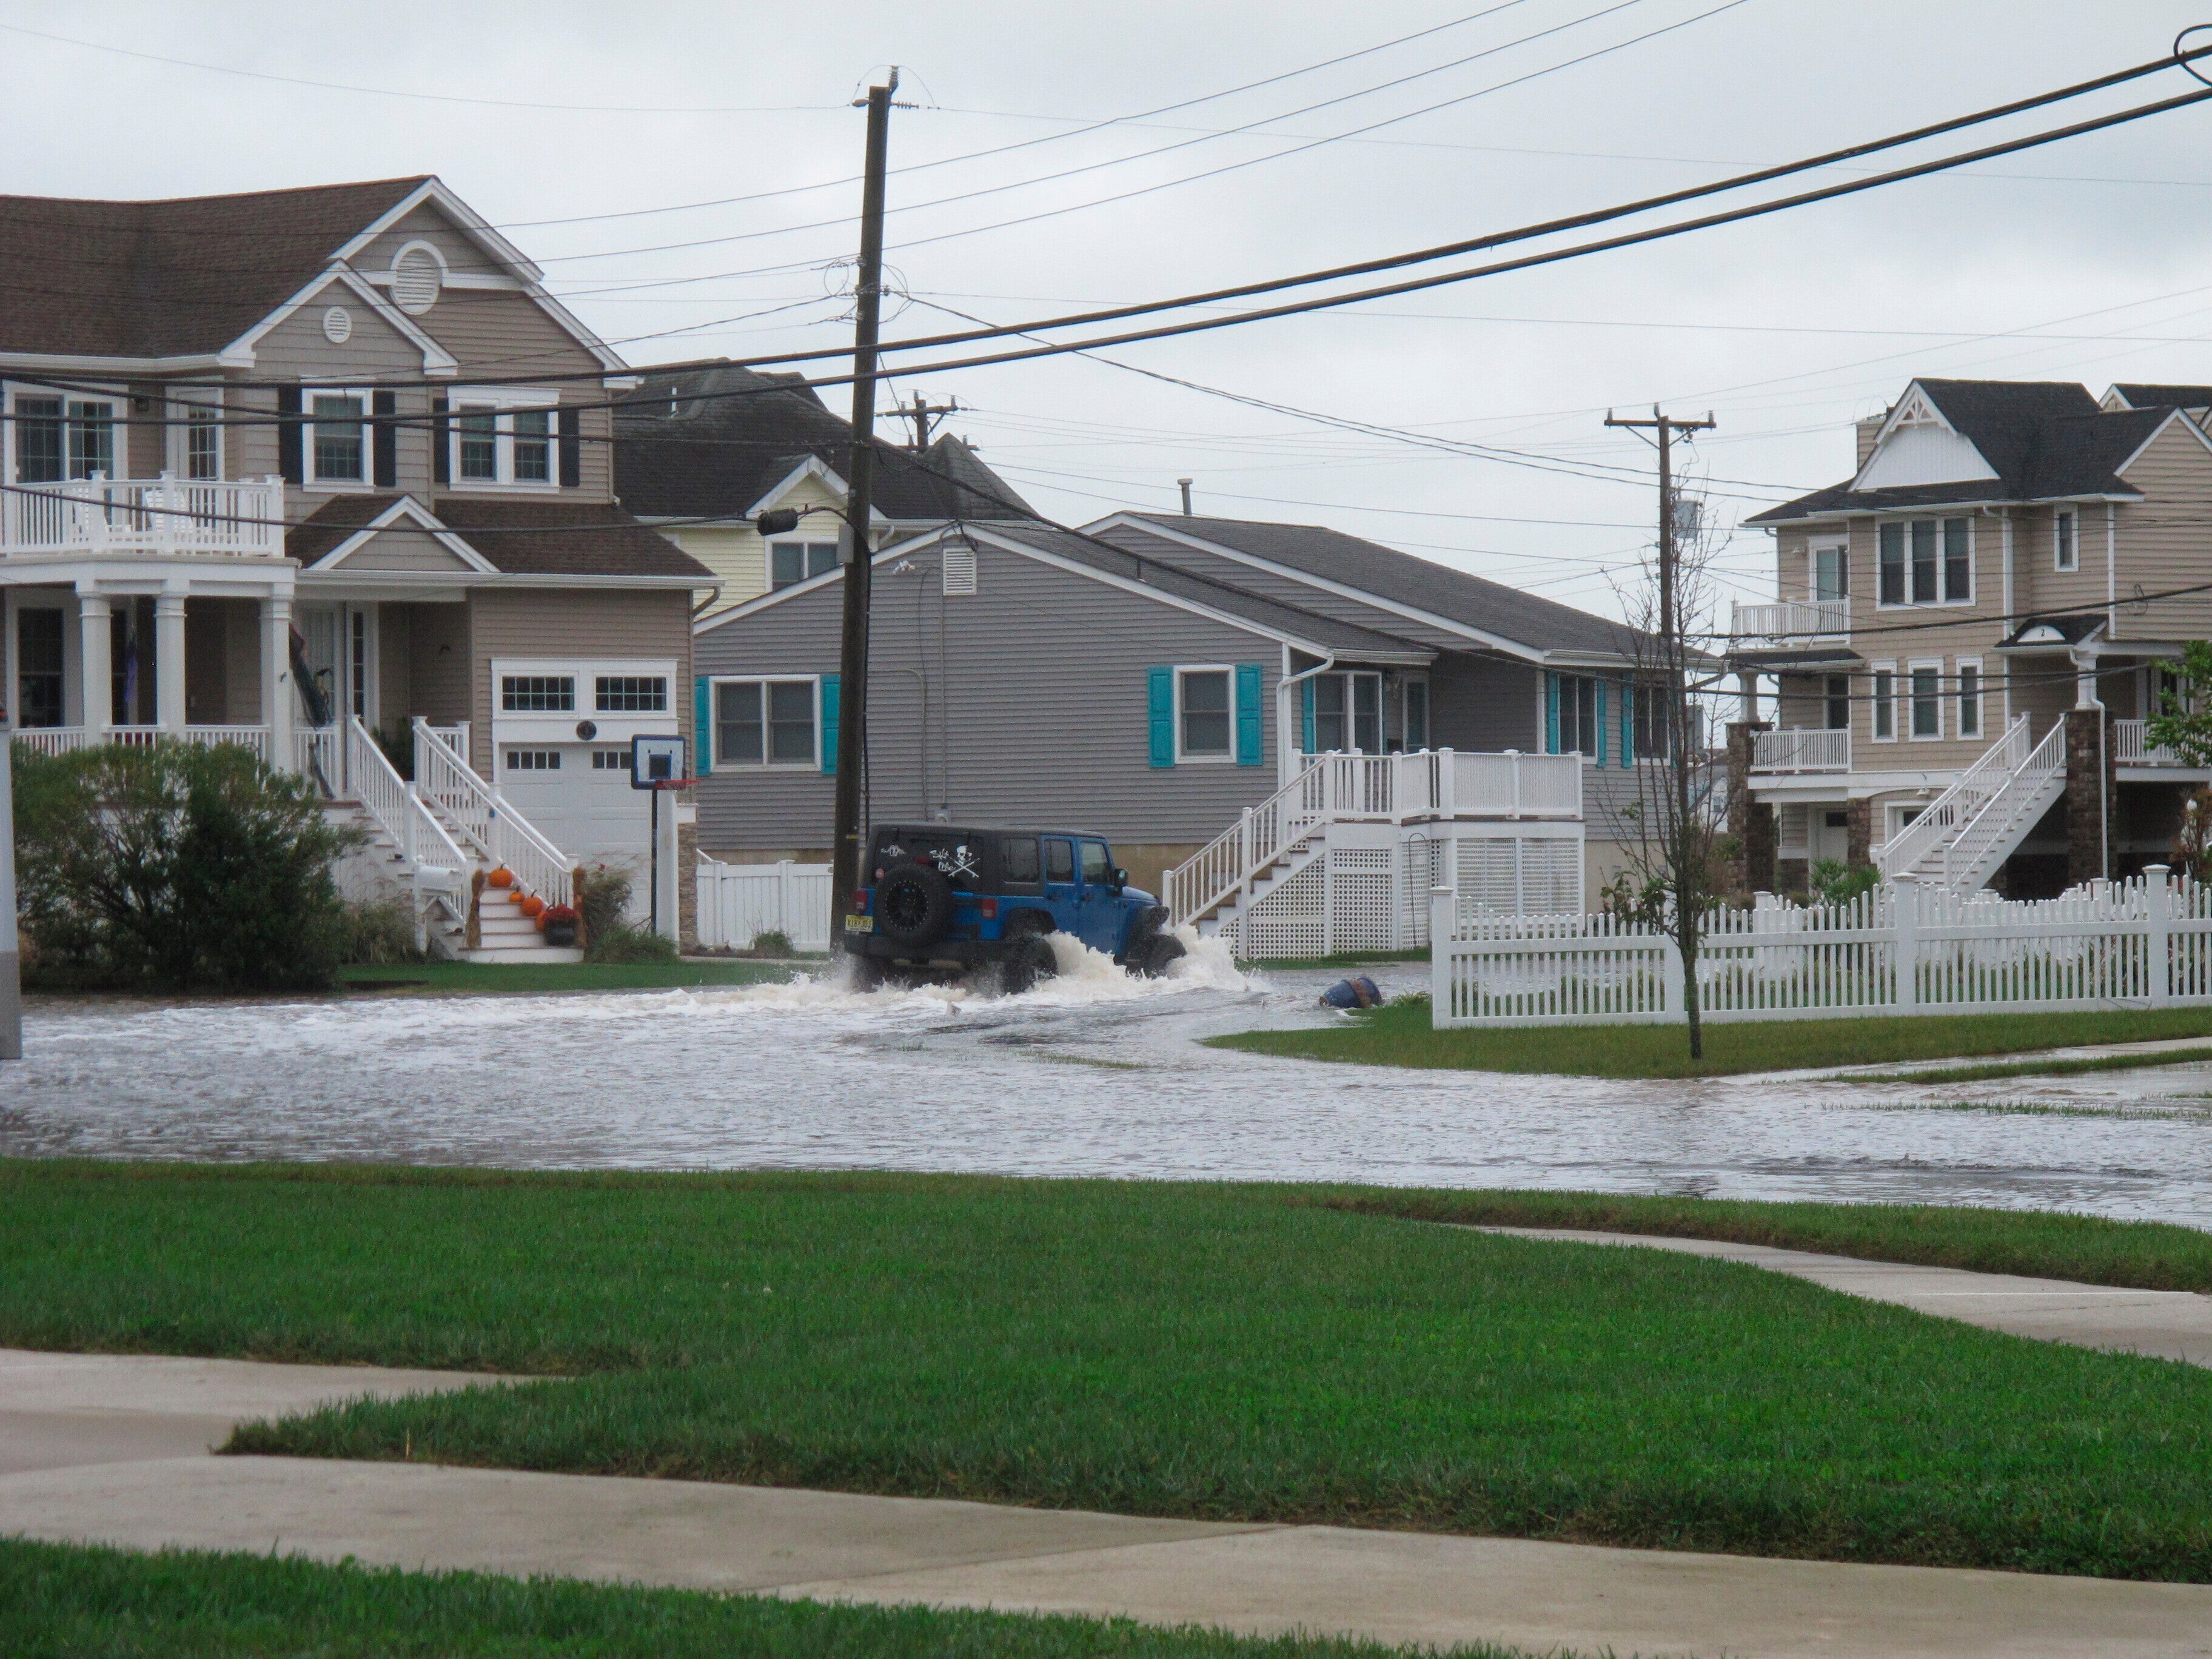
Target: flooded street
[[1094, 1075]]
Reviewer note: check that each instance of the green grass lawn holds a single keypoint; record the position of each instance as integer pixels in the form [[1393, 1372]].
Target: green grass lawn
[[478, 977], [2038, 1068], [1400, 1035], [59, 1601], [1219, 1352]]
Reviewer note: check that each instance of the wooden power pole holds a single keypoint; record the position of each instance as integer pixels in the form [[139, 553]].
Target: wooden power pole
[[1689, 892], [846, 850], [924, 416]]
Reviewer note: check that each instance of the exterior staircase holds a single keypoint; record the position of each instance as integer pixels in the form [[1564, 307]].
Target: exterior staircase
[[1971, 828], [435, 836]]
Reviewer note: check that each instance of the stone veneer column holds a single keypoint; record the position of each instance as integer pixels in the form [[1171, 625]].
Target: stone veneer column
[[2089, 781], [1750, 822], [1858, 832], [687, 882]]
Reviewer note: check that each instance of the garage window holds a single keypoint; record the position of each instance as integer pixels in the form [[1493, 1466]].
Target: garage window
[[533, 760], [610, 760], [632, 694], [765, 723], [537, 694]]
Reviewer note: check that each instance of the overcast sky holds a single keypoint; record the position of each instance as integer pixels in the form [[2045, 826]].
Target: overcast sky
[[2086, 260]]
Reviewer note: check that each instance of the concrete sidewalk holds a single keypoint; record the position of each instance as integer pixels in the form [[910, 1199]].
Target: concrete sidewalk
[[2163, 1324], [104, 1448]]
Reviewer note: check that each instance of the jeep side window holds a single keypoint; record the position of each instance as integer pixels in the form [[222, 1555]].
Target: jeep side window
[[1096, 869], [1018, 861], [1059, 860]]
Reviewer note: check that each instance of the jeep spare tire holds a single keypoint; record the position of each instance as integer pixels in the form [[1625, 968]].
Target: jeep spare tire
[[914, 905]]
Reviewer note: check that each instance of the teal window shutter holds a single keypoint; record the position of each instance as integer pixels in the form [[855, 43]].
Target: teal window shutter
[[1551, 714], [830, 722], [1628, 723], [1306, 718], [1160, 695], [1250, 733], [1601, 744], [702, 726]]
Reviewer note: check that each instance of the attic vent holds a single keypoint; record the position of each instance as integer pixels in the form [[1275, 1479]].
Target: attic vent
[[338, 324], [1917, 412], [960, 558], [415, 279]]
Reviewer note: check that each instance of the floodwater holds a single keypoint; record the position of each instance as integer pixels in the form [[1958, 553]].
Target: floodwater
[[1093, 1074]]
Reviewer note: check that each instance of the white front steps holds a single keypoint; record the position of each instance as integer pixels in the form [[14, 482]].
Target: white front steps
[[1970, 830], [505, 934]]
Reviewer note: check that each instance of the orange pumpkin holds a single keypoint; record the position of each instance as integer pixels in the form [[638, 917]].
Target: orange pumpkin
[[533, 906], [541, 922], [501, 877]]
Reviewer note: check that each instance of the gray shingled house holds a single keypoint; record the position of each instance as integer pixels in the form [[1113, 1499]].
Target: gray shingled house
[[1155, 677]]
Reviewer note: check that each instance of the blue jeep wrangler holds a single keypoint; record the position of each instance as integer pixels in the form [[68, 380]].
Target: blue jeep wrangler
[[943, 897]]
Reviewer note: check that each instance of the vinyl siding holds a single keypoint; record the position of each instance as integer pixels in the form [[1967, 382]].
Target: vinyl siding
[[587, 623], [424, 223], [2042, 586], [296, 347], [395, 658], [1037, 707], [2165, 540], [438, 639]]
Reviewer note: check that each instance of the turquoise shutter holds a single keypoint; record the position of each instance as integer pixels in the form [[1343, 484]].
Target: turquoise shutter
[[1160, 694], [1628, 723], [702, 726], [1551, 714], [830, 722], [1306, 718], [1249, 731], [1601, 744]]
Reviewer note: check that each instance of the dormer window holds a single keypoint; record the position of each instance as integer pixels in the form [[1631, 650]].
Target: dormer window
[[503, 439]]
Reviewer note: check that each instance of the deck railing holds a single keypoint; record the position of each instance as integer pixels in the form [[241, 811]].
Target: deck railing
[[240, 518], [1791, 619], [2131, 746], [1801, 750], [65, 739]]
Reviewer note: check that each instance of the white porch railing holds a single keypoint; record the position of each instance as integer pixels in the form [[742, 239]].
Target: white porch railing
[[1791, 619], [496, 830], [454, 736], [739, 903], [240, 518], [64, 739], [2131, 746], [1800, 749]]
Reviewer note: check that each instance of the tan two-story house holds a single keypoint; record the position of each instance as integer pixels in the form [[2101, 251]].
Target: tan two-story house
[[1968, 635], [327, 472]]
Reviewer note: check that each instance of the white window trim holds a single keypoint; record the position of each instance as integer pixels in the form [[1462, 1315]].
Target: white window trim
[[1981, 697], [714, 684], [768, 559], [501, 711], [502, 404], [1813, 551], [1973, 584], [177, 446], [1908, 697], [1183, 757], [1874, 670], [314, 481], [668, 694], [1406, 683], [2059, 564], [13, 389]]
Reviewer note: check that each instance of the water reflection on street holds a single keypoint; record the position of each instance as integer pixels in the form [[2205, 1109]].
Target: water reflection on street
[[1094, 1074]]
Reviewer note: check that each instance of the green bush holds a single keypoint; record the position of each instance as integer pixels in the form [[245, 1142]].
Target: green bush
[[774, 943], [628, 944], [382, 931], [1829, 881], [178, 866], [602, 902]]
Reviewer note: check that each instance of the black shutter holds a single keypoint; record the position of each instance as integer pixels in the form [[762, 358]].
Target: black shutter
[[442, 458], [384, 437], [288, 435], [572, 449]]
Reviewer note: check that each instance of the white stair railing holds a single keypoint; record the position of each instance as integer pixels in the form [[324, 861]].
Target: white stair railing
[[434, 858], [1976, 787], [1965, 852], [1232, 858], [495, 829]]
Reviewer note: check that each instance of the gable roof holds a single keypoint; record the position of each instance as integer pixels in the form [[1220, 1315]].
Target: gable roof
[[2044, 439], [683, 451], [181, 278], [561, 539], [2138, 394], [1493, 609]]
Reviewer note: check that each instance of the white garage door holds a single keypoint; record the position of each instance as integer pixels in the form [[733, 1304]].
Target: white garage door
[[578, 795]]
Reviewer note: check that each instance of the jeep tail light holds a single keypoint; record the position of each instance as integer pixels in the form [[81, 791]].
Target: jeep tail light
[[860, 900], [990, 909]]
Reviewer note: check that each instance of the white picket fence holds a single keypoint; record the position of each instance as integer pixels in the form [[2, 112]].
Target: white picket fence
[[738, 903], [1901, 949]]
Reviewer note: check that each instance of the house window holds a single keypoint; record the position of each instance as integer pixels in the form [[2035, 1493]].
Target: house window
[[533, 760], [1651, 727], [534, 446], [764, 723], [358, 649], [496, 443], [793, 563], [537, 694], [1577, 723], [199, 435], [58, 438], [1831, 573], [479, 441], [610, 760], [632, 694], [1924, 562], [1885, 703], [1417, 714], [2065, 551], [1202, 722], [1927, 700], [1347, 714], [38, 682], [1970, 699], [1838, 703], [340, 449]]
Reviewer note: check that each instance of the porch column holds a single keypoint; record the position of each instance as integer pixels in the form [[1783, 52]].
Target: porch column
[[94, 676], [1747, 692], [277, 677], [169, 662], [1750, 820]]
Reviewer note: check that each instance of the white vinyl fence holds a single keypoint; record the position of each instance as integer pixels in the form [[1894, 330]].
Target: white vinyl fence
[[738, 903], [1901, 949]]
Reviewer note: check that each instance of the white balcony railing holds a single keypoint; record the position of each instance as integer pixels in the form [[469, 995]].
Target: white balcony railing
[[241, 518], [1791, 619], [64, 739], [1801, 750], [2131, 746]]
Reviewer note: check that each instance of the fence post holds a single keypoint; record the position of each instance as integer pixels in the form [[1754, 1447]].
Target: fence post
[[1441, 925], [783, 917], [1678, 984], [1904, 929], [2158, 929]]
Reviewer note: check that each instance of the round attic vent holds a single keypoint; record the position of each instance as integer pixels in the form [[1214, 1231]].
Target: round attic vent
[[415, 277], [338, 324]]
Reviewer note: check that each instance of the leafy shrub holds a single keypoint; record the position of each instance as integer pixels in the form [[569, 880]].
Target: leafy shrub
[[603, 901], [382, 931], [177, 867], [773, 943], [1829, 881], [628, 944]]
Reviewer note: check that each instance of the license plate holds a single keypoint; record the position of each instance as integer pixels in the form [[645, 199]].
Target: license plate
[[860, 924]]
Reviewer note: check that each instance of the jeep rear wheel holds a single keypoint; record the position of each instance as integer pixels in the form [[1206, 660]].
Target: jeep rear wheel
[[1028, 963], [914, 905]]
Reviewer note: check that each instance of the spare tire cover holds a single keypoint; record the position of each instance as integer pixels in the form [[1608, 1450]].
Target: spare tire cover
[[913, 904]]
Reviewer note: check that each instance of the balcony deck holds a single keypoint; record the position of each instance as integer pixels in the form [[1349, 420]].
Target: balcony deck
[[1790, 620], [1797, 749], [144, 517]]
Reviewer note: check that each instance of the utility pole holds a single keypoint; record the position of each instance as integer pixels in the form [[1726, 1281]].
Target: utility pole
[[845, 849], [1689, 885], [923, 414]]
